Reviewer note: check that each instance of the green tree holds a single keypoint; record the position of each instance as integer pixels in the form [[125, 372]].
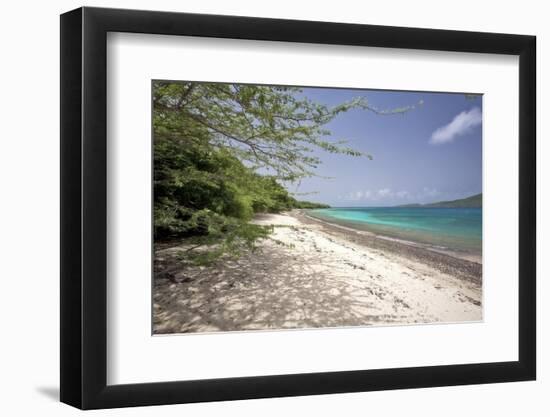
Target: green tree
[[212, 141]]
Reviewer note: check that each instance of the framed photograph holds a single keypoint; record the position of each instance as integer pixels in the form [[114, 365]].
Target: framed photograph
[[258, 208]]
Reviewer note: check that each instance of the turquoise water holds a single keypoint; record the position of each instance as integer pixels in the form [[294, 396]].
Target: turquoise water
[[457, 229]]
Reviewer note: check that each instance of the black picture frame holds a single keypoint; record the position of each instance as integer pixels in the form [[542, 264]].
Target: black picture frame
[[84, 207]]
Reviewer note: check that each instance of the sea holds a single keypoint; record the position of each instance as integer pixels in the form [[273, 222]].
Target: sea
[[454, 230]]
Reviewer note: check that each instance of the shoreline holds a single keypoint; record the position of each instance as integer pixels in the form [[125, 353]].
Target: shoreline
[[446, 261], [468, 255], [314, 275]]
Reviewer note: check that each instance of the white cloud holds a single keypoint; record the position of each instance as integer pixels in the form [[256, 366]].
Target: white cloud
[[462, 123], [385, 192], [429, 192], [357, 196]]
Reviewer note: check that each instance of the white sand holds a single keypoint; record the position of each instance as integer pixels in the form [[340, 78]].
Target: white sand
[[313, 280]]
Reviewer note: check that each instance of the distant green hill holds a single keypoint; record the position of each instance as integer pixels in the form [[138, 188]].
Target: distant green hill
[[474, 201]]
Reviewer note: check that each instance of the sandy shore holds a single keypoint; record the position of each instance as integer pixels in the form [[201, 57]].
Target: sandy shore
[[323, 276]]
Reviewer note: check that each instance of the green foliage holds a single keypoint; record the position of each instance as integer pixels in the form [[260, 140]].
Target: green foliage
[[309, 205], [212, 141], [265, 127], [227, 238], [472, 96]]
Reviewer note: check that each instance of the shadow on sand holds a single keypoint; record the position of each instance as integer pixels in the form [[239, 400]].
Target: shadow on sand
[[267, 290]]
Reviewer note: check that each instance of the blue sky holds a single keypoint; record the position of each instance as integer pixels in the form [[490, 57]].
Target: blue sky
[[431, 153]]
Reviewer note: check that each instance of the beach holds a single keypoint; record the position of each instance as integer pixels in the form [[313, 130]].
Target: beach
[[314, 274]]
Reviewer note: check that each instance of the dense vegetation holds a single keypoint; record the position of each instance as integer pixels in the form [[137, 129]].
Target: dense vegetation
[[309, 205], [222, 153], [475, 201]]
